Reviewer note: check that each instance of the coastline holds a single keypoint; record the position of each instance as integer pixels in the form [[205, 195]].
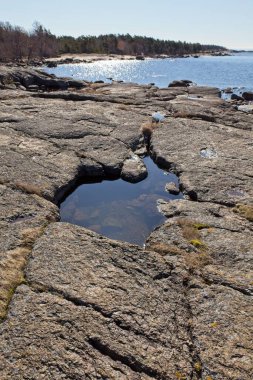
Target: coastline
[[76, 58], [89, 58]]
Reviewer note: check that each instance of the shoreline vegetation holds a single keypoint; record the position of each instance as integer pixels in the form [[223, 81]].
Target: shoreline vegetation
[[35, 47]]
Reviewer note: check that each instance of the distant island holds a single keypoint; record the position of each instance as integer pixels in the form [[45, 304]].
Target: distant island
[[17, 44]]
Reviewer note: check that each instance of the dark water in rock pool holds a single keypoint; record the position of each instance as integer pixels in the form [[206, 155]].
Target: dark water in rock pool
[[118, 209]]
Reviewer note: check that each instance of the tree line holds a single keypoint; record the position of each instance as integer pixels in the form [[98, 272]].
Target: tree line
[[18, 44], [130, 45]]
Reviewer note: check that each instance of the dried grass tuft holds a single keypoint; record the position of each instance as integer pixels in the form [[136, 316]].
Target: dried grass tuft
[[189, 231], [244, 210], [147, 128], [166, 249], [29, 188], [11, 275], [30, 235]]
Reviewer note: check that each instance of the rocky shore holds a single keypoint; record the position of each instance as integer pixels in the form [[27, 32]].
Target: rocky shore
[[77, 305], [89, 58], [75, 58]]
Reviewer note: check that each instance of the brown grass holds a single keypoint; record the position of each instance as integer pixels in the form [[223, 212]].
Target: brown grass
[[189, 231], [193, 260], [244, 210], [11, 275], [147, 128], [12, 266], [197, 260], [166, 249], [29, 188], [30, 235]]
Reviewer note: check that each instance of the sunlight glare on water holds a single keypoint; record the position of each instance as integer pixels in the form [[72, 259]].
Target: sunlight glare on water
[[222, 72]]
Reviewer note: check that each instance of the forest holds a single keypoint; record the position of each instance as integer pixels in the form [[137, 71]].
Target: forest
[[17, 44]]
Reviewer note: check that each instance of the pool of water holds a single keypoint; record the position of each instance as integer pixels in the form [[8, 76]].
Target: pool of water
[[222, 72], [118, 209]]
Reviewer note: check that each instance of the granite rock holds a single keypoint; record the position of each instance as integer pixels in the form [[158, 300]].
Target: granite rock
[[75, 304]]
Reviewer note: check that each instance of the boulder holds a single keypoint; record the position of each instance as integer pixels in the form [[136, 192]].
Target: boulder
[[236, 97], [180, 83], [51, 64], [247, 95], [134, 170], [248, 108], [76, 83], [228, 90], [172, 188], [140, 57]]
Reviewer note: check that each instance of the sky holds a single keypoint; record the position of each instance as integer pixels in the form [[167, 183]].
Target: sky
[[222, 22]]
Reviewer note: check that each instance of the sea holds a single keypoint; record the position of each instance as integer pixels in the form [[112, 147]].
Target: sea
[[235, 71]]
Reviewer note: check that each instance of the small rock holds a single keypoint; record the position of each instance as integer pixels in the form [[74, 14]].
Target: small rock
[[76, 83], [157, 116], [236, 97], [246, 108], [208, 153], [51, 64], [180, 83], [33, 87], [247, 95], [228, 90], [172, 188], [142, 151], [134, 170], [22, 88]]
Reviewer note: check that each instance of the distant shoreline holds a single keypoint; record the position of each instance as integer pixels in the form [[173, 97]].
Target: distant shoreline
[[90, 58], [77, 58]]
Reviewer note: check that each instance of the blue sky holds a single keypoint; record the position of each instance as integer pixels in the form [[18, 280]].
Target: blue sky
[[223, 22]]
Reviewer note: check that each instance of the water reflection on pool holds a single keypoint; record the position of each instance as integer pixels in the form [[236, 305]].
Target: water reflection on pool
[[118, 209]]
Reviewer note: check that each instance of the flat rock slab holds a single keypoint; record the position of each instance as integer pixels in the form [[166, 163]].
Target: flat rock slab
[[215, 243], [221, 234], [103, 308], [204, 178]]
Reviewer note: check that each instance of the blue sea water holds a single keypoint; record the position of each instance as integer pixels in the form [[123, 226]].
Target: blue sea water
[[229, 71]]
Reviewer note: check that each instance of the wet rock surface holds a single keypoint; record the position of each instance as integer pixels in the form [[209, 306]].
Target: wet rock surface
[[77, 305]]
